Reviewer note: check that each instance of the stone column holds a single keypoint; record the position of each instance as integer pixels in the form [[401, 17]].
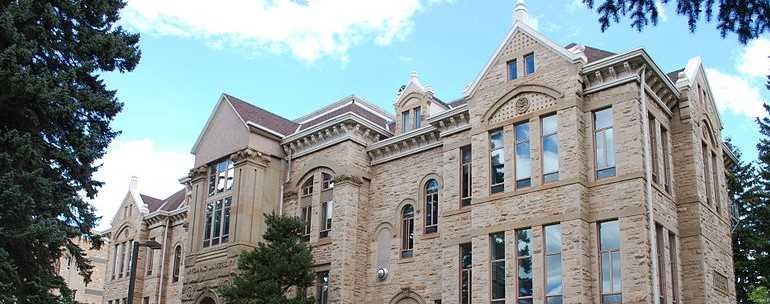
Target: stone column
[[249, 201], [344, 236]]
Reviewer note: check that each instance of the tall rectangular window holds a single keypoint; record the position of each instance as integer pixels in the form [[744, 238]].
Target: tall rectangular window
[[706, 173], [221, 177], [497, 161], [553, 273], [550, 148], [322, 285], [715, 179], [465, 176], [217, 222], [122, 256], [417, 117], [150, 258], [307, 216], [665, 159], [672, 253], [524, 277], [405, 121], [466, 266], [653, 146], [604, 143], [529, 63], [523, 158], [609, 233], [327, 210], [115, 255], [497, 245], [660, 247], [513, 71]]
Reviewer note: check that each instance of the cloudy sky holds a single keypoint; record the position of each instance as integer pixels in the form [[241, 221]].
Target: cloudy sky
[[294, 56]]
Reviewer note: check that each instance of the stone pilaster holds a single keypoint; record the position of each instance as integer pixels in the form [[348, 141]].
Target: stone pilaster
[[345, 238]]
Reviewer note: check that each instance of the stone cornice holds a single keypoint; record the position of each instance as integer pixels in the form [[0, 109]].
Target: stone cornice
[[620, 69], [198, 173], [405, 144], [161, 215], [348, 126], [250, 155], [347, 179], [452, 121]]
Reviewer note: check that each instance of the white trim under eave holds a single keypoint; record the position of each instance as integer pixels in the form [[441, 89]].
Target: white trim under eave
[[572, 57], [334, 120], [266, 129], [345, 101]]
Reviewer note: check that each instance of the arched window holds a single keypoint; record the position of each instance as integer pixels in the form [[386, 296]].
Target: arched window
[[328, 181], [177, 263], [431, 206], [307, 187], [407, 231]]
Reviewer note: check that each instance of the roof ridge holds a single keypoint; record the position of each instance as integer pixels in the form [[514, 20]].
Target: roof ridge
[[339, 103], [257, 107]]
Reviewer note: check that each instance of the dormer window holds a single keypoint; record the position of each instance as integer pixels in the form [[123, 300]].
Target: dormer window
[[529, 63], [513, 71], [405, 121], [417, 117], [221, 177]]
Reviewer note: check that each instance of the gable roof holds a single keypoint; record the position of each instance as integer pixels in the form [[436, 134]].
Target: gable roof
[[260, 116], [151, 202], [592, 53], [674, 75], [173, 202], [523, 27]]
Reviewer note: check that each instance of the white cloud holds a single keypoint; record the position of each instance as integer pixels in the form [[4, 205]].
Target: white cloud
[[735, 93], [158, 173], [308, 30], [662, 16], [754, 61]]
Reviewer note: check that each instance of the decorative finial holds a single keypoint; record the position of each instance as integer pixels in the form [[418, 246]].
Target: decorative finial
[[520, 12], [413, 75], [134, 183]]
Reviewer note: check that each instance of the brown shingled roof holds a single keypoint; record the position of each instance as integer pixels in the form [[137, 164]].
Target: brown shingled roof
[[262, 117], [593, 54], [172, 202], [152, 203]]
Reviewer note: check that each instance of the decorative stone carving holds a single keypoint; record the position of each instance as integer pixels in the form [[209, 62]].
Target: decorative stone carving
[[199, 172], [521, 104], [251, 155], [340, 179]]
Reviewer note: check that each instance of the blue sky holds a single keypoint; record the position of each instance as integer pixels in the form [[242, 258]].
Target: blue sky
[[293, 57]]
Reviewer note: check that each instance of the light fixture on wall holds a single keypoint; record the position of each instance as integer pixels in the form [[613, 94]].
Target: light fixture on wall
[[382, 273]]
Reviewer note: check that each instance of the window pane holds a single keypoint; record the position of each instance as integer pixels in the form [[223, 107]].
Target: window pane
[[529, 61], [498, 246], [466, 256], [525, 301], [551, 154], [226, 221], [611, 299], [417, 117], [616, 277], [603, 119], [405, 120], [523, 241], [522, 132], [523, 161], [609, 235], [496, 139], [606, 273], [553, 239], [498, 280], [498, 166], [554, 300], [512, 70], [601, 150], [525, 277], [549, 124], [610, 146], [466, 154], [230, 175], [209, 214], [553, 274]]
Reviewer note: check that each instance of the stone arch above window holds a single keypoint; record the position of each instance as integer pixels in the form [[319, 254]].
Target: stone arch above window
[[430, 197], [124, 233], [708, 132], [407, 296], [406, 219], [519, 101]]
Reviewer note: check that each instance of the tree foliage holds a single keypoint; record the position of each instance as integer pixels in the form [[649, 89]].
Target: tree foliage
[[746, 18], [277, 271], [55, 115]]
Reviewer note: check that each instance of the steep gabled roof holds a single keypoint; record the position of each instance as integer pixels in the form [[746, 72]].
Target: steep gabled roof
[[173, 202], [674, 75], [151, 202], [592, 53], [262, 117]]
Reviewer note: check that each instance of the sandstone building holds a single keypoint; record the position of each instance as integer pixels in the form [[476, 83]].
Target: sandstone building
[[66, 267], [562, 175]]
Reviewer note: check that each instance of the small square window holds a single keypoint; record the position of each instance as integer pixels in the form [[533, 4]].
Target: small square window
[[513, 71], [529, 63]]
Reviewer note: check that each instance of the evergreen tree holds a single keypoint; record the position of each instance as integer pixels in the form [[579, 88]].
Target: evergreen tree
[[742, 188], [278, 270], [55, 115], [746, 18]]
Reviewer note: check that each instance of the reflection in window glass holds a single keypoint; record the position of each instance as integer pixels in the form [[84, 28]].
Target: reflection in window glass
[[524, 266], [497, 160], [553, 272], [466, 266], [431, 206], [405, 121], [523, 158], [497, 241], [610, 262], [529, 63], [604, 143], [327, 211], [513, 72], [407, 231], [550, 149]]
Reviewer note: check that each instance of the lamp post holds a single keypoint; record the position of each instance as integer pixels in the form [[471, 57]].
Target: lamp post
[[134, 255]]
